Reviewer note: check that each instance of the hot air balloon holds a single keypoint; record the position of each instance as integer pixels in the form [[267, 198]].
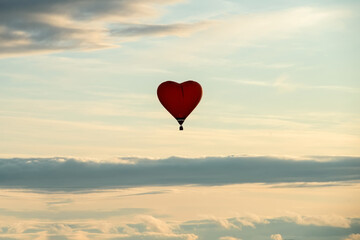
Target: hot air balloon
[[180, 99]]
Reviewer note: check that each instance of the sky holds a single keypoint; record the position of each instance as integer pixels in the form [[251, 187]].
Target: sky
[[270, 153]]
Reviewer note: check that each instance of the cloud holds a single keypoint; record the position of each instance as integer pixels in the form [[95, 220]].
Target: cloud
[[150, 227], [330, 220], [309, 185], [85, 230], [72, 214], [236, 31], [59, 202], [229, 238], [156, 225], [283, 83], [145, 193], [51, 26], [276, 237], [44, 26], [266, 231], [355, 236], [251, 219], [178, 29], [231, 224], [225, 223], [68, 174], [157, 228]]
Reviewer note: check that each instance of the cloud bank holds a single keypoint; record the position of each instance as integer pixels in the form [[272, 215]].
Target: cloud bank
[[150, 227], [71, 174]]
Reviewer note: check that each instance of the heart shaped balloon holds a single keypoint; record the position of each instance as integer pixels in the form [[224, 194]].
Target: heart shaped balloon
[[180, 99]]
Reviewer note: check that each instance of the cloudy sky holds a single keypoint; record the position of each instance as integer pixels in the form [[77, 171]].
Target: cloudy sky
[[270, 153]]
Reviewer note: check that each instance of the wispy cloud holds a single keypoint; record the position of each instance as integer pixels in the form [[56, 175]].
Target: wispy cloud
[[71, 174], [177, 29], [51, 26], [73, 214], [284, 83], [237, 31]]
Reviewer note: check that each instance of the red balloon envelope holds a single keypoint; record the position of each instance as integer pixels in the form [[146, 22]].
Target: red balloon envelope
[[179, 99]]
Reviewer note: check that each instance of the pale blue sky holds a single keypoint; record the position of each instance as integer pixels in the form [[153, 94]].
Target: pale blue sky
[[280, 69]]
